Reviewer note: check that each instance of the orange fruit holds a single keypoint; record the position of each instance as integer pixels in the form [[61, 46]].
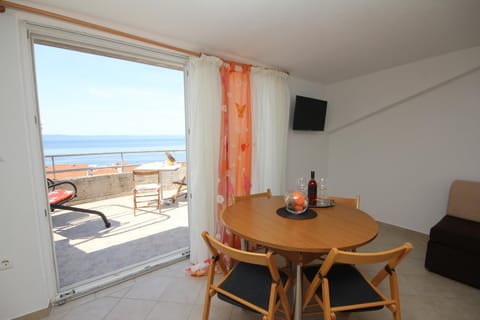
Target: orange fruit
[[299, 199]]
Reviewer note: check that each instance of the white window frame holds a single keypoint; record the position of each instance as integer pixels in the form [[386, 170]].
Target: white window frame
[[59, 34]]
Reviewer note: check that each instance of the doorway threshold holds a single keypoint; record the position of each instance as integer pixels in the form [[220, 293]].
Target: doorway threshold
[[94, 285]]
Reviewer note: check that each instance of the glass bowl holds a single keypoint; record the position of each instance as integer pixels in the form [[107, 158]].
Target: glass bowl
[[296, 202]]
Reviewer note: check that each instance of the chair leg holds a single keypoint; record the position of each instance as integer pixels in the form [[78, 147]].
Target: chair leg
[[98, 213], [396, 315], [208, 292], [134, 203], [395, 294], [206, 307], [179, 190]]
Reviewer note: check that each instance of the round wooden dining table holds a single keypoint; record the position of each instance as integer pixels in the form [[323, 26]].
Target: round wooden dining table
[[302, 238]]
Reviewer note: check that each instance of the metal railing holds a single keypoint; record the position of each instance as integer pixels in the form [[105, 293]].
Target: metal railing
[[119, 165]]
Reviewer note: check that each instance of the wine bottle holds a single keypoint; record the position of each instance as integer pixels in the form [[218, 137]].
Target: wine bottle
[[312, 189]]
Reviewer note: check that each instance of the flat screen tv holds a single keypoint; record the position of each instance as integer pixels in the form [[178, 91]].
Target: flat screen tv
[[309, 114]]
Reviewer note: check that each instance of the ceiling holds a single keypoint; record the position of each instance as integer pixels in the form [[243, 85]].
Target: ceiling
[[323, 41]]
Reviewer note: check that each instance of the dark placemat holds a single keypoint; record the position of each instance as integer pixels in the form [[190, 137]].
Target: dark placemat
[[309, 214]]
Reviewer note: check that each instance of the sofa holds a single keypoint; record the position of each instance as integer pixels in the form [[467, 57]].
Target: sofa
[[453, 249]]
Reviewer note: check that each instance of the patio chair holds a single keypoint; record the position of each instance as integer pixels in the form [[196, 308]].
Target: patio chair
[[339, 286], [182, 187], [253, 283], [146, 189], [57, 197]]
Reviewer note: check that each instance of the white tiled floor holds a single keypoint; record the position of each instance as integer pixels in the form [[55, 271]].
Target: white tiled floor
[[152, 296], [171, 294]]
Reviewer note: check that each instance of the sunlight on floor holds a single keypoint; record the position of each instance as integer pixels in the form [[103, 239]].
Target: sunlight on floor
[[125, 226], [85, 247]]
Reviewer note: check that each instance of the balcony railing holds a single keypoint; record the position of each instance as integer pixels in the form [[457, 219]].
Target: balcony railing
[[95, 182], [59, 163]]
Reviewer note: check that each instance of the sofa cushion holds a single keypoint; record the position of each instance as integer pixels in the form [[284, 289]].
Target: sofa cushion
[[457, 233], [452, 263], [464, 200]]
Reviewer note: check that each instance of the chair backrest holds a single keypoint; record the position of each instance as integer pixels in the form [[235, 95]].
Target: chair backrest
[[347, 264], [266, 194], [141, 176], [216, 248], [392, 257], [276, 287], [351, 202]]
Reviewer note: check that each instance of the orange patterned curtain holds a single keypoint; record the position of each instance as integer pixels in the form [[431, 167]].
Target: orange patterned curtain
[[235, 141]]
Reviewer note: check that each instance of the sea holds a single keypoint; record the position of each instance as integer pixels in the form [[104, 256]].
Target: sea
[[76, 145]]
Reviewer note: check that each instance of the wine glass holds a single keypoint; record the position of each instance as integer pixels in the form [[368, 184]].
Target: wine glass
[[301, 184]]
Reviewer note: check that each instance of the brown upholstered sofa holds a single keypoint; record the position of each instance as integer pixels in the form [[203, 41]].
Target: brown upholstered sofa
[[454, 246]]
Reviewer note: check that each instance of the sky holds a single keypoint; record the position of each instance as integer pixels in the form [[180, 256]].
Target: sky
[[86, 94]]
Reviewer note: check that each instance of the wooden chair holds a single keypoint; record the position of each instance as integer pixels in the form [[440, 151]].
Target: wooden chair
[[182, 187], [266, 194], [146, 192], [338, 285], [254, 282], [235, 199], [352, 202]]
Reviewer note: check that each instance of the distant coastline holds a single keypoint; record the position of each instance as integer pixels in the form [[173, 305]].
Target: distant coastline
[[81, 144]]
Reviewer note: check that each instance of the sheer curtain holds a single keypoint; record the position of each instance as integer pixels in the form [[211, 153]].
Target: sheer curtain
[[203, 101], [235, 142], [270, 110]]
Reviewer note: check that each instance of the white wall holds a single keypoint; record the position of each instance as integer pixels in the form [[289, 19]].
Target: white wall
[[399, 137], [24, 228], [307, 150], [27, 286]]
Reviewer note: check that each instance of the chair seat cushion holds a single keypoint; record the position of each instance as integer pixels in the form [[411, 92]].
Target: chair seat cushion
[[250, 282], [347, 286], [60, 195], [457, 233]]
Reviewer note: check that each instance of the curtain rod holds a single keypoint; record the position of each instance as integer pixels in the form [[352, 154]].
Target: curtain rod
[[13, 5], [82, 23]]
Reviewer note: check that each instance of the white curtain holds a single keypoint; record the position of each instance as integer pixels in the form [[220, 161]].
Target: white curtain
[[270, 110], [203, 101]]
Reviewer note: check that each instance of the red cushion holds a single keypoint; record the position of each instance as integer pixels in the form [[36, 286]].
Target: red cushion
[[59, 196]]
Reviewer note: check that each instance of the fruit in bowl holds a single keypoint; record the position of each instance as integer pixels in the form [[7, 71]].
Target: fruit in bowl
[[296, 202]]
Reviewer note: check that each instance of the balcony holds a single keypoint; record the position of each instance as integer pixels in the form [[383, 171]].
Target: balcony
[[86, 250]]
